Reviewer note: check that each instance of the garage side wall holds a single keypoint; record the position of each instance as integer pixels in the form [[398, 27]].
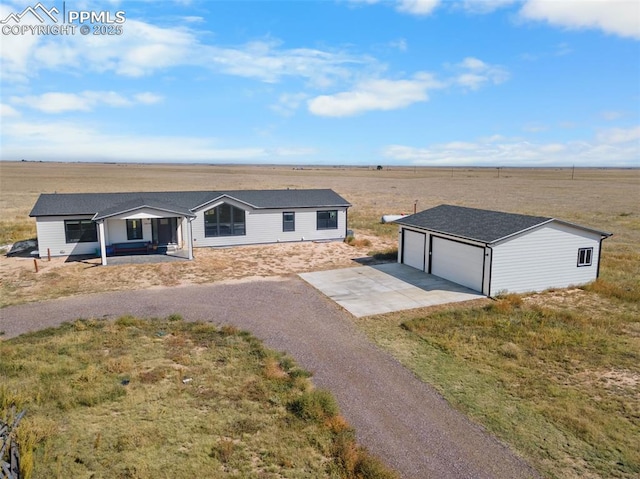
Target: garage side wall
[[543, 258]]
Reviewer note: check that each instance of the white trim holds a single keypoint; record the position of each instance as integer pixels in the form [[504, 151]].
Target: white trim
[[103, 243]]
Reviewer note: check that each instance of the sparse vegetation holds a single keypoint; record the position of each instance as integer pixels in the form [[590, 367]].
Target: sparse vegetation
[[390, 254], [358, 243], [555, 378], [555, 375], [167, 398]]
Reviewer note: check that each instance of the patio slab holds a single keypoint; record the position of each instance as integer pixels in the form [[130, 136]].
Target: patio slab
[[144, 259], [385, 288]]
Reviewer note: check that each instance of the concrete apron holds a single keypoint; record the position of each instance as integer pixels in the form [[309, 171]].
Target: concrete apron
[[385, 288]]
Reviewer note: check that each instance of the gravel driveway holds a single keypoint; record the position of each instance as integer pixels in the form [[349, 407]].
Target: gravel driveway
[[396, 416]]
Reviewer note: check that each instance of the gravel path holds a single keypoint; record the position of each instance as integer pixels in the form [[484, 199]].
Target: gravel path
[[396, 416]]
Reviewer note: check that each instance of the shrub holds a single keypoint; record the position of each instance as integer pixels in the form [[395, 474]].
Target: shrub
[[223, 450], [127, 321], [386, 255], [317, 405], [358, 243]]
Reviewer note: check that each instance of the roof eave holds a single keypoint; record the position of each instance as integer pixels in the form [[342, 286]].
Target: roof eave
[[98, 216], [217, 198], [469, 238]]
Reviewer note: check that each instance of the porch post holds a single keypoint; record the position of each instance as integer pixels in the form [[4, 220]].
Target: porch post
[[189, 238], [103, 246]]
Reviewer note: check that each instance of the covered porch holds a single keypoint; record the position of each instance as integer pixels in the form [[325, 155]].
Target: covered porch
[[143, 230]]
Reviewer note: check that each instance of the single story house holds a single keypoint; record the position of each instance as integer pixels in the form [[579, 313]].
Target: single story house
[[86, 223], [494, 252]]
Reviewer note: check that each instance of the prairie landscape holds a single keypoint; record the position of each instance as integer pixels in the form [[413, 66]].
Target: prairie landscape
[[555, 375]]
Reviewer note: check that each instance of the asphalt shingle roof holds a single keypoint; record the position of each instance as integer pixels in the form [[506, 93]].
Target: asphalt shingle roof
[[472, 223], [107, 204]]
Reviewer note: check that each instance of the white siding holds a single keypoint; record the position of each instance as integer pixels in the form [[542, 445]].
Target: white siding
[[116, 231], [265, 226], [543, 258], [51, 235]]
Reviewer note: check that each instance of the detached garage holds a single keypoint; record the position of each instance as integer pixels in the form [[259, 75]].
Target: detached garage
[[494, 252]]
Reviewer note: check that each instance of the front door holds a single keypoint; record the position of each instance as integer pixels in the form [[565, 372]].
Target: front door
[[164, 230]]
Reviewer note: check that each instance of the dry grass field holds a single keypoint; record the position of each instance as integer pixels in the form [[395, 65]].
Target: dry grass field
[[602, 198], [555, 375], [166, 398]]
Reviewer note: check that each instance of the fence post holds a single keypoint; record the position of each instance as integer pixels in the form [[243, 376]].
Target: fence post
[[35, 264]]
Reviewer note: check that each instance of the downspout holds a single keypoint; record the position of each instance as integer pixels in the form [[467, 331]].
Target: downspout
[[599, 256], [490, 270], [346, 222]]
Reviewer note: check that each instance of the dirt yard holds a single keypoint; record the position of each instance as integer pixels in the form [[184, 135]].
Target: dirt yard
[[63, 277]]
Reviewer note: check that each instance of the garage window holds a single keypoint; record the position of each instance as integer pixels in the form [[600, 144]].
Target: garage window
[[585, 256]]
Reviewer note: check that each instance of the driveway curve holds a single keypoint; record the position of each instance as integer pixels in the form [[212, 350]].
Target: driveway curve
[[402, 420]]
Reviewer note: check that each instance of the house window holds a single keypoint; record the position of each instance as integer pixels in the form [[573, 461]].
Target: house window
[[288, 221], [585, 256], [224, 220], [327, 220], [80, 231], [134, 229]]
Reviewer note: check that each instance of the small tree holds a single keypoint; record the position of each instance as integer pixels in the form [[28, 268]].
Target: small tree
[[379, 167]]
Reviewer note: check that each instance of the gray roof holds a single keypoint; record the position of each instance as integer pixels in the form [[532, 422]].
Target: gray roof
[[485, 226], [103, 205]]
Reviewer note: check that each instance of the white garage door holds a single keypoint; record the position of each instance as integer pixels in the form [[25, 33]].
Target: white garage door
[[413, 247], [457, 262]]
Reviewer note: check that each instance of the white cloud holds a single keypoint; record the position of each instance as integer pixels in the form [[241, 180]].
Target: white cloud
[[384, 94], [377, 94], [193, 19], [615, 147], [144, 49], [417, 7], [474, 73], [619, 17], [535, 127], [412, 7], [485, 6], [67, 141], [288, 103], [56, 102], [148, 98], [621, 135], [283, 152], [400, 44], [7, 111], [612, 115]]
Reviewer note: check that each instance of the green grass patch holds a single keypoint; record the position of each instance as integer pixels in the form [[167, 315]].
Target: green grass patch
[[167, 398], [560, 385], [369, 222]]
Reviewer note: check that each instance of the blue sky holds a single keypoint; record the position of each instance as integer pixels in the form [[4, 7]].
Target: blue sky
[[408, 82]]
